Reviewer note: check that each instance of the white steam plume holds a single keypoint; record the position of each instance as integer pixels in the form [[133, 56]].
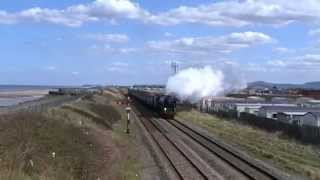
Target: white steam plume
[[192, 84]]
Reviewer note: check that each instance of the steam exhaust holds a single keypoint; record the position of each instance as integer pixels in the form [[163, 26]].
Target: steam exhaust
[[193, 84]]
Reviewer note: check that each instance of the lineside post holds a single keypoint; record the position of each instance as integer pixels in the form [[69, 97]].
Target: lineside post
[[128, 110]]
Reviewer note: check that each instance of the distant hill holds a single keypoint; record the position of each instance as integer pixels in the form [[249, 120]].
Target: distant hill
[[263, 84]]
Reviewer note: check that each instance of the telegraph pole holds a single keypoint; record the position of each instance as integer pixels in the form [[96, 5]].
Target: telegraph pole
[[174, 67]]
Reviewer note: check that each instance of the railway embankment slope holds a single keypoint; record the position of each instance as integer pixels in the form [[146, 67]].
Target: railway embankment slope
[[67, 138]]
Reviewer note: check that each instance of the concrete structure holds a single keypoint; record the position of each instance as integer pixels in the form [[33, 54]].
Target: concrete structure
[[311, 119]]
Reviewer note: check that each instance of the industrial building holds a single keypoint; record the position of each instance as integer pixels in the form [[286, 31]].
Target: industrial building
[[239, 105], [254, 108], [303, 112], [273, 112], [290, 113], [311, 119], [290, 117]]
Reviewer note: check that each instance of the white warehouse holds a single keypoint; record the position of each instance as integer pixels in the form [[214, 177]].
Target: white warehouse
[[254, 108], [285, 113], [226, 104], [311, 119]]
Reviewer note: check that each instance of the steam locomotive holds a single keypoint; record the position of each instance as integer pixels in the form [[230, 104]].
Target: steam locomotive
[[163, 104]]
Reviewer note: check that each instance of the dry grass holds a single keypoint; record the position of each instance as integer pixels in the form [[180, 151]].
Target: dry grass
[[103, 111], [84, 112], [128, 166], [37, 147], [97, 108], [86, 136], [287, 154], [107, 112]]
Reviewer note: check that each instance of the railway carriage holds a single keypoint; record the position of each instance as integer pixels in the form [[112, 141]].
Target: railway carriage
[[163, 104]]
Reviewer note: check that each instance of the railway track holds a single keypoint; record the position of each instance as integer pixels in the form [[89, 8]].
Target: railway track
[[182, 162], [193, 155], [248, 169]]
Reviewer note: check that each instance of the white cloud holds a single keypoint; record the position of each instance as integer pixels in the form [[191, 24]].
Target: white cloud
[[304, 62], [76, 15], [242, 13], [109, 38], [224, 13], [209, 45]]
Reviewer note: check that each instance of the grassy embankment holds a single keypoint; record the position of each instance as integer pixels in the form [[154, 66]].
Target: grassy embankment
[[286, 154], [81, 140]]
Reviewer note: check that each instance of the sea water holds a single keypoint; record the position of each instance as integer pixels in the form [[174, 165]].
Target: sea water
[[11, 101]]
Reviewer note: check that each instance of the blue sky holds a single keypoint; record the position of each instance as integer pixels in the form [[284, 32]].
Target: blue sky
[[74, 42]]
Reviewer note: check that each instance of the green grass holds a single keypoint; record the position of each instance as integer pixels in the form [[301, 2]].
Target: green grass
[[287, 154]]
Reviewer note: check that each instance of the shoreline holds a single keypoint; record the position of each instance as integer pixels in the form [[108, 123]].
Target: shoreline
[[23, 93], [12, 99]]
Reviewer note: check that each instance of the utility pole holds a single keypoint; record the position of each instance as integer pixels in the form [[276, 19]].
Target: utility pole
[[174, 67]]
